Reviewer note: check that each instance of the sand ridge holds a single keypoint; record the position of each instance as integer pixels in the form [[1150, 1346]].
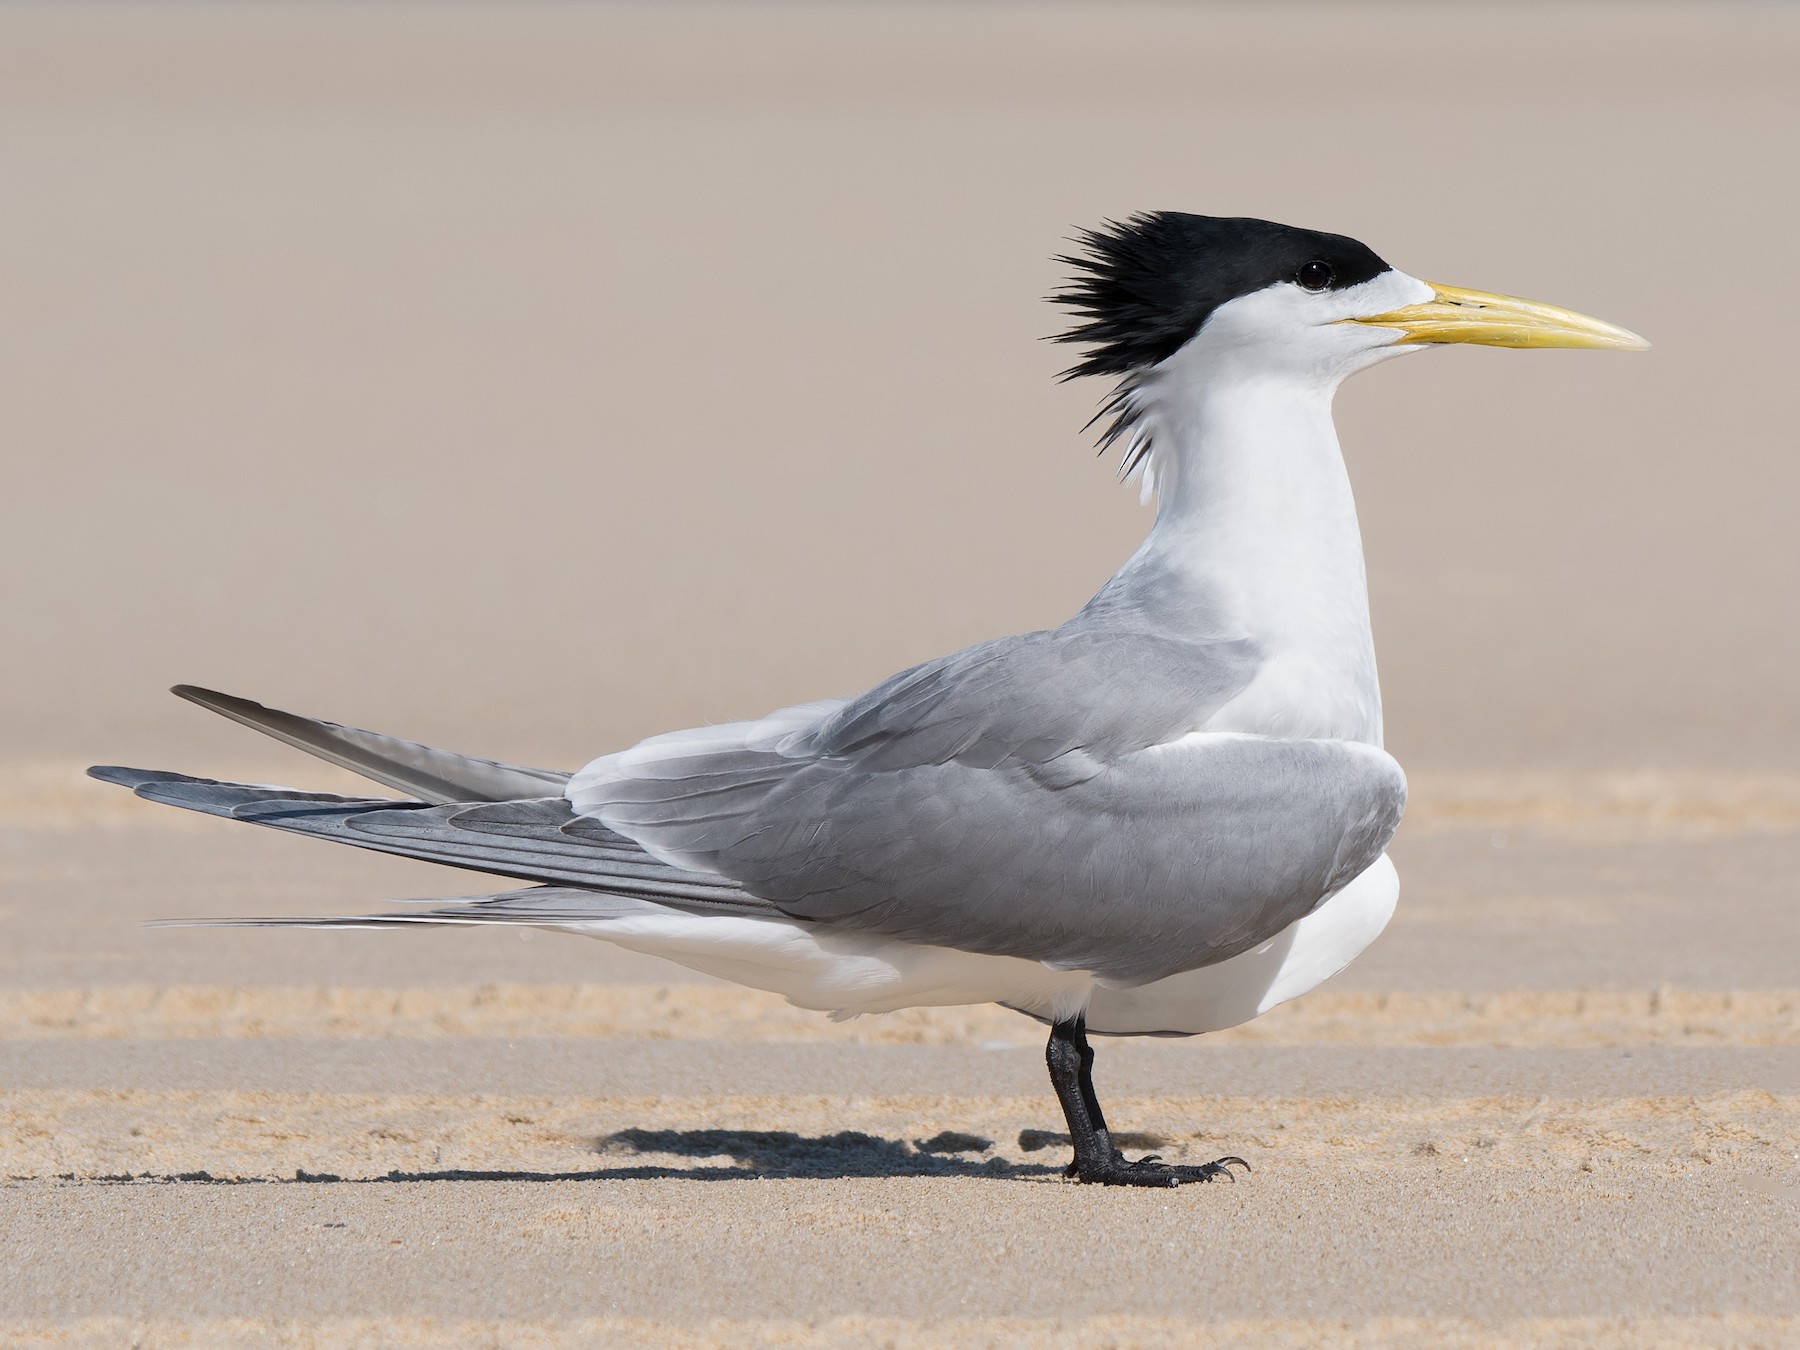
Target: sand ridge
[[1512, 1018], [985, 1333]]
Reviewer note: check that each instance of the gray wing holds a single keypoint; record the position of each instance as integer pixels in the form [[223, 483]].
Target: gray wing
[[1036, 797], [421, 771], [1160, 861]]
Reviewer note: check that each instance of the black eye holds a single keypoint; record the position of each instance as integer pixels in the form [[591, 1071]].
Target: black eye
[[1314, 276]]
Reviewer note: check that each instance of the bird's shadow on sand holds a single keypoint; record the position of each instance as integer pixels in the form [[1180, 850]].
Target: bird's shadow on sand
[[783, 1153], [752, 1154]]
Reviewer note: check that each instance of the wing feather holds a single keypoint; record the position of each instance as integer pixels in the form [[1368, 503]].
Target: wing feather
[[420, 771], [534, 906], [524, 839]]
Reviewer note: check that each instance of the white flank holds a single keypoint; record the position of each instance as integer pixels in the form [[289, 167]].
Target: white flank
[[848, 974]]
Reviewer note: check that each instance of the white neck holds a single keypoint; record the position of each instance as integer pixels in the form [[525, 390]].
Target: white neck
[[1254, 511]]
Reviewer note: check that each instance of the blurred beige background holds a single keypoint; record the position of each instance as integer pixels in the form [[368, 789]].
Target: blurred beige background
[[534, 378], [531, 378]]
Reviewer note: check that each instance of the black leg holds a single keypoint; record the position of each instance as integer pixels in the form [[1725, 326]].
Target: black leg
[[1095, 1116], [1069, 1057], [1071, 1061]]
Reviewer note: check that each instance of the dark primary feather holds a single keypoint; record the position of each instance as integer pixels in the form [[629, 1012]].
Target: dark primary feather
[[540, 840], [534, 906], [421, 771]]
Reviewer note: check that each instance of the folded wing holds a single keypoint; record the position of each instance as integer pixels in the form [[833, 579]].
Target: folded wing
[[1038, 798]]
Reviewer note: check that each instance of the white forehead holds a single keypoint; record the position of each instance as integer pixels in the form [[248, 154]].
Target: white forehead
[[1285, 329], [1391, 290], [1285, 304]]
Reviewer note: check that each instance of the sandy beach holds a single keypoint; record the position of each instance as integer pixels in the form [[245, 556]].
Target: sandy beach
[[531, 379]]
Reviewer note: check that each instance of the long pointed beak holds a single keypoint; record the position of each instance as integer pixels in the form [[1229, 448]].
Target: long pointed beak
[[1456, 315]]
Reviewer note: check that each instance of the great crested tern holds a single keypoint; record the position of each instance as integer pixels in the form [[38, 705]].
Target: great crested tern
[[1164, 817]]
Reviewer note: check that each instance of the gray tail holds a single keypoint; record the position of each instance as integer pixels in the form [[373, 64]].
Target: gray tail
[[420, 771]]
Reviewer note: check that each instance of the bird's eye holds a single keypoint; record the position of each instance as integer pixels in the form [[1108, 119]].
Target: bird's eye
[[1314, 276]]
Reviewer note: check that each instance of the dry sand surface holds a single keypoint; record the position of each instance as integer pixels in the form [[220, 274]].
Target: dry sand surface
[[530, 379]]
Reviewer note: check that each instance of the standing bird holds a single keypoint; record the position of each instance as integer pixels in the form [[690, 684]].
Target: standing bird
[[1164, 817]]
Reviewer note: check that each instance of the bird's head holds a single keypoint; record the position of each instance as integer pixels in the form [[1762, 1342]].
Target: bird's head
[[1167, 294]]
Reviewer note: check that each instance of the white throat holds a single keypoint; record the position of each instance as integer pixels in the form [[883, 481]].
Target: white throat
[[1254, 509]]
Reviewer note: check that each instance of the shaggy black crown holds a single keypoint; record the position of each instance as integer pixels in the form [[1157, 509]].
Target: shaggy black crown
[[1142, 287]]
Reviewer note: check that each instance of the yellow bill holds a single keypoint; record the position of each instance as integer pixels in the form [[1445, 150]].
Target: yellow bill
[[1456, 315]]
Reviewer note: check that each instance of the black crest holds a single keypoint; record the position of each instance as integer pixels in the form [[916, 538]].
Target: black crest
[[1142, 287]]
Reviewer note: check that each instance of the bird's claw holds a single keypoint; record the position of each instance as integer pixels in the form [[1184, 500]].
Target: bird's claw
[[1152, 1171]]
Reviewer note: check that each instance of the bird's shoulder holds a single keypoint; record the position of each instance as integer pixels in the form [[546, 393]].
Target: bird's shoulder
[[1105, 683]]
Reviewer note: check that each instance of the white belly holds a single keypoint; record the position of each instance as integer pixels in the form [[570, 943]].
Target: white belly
[[850, 974]]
